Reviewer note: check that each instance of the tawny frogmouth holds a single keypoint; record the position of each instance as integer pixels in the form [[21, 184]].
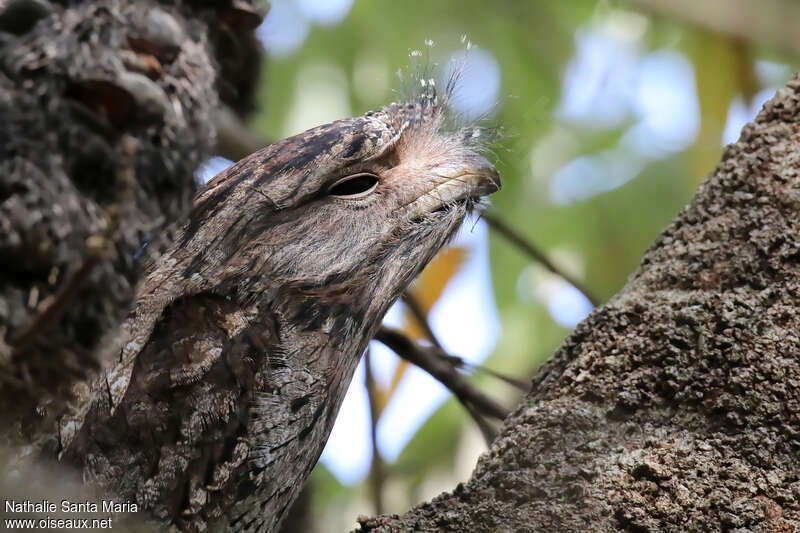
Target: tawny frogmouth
[[246, 333]]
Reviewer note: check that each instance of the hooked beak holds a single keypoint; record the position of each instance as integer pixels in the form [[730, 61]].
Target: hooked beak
[[472, 177]]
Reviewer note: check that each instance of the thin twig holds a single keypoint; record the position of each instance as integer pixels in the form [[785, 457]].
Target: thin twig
[[429, 359], [421, 317], [422, 320], [516, 239], [487, 430], [376, 471], [521, 384]]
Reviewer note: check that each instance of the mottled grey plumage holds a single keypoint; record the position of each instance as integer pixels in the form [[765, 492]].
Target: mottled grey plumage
[[247, 332]]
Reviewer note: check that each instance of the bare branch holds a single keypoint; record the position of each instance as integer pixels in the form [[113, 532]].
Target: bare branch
[[517, 240], [431, 361], [521, 384], [234, 139], [376, 470], [421, 317]]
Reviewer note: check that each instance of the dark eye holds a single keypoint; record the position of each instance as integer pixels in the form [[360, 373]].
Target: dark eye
[[354, 186]]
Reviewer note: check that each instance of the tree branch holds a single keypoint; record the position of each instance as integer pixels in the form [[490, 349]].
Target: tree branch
[[421, 317], [457, 362], [517, 240], [430, 360], [234, 138], [376, 470]]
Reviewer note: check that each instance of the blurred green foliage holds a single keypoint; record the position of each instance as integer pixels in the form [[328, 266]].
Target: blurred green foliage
[[532, 41]]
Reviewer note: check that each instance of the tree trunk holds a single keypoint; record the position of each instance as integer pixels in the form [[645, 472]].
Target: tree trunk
[[107, 109], [675, 406]]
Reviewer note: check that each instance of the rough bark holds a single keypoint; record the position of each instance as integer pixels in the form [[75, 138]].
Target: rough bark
[[106, 111], [675, 406]]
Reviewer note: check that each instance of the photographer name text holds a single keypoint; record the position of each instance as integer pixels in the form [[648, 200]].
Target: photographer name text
[[67, 506]]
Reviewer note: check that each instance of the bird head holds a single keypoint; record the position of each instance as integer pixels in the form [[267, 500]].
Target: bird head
[[351, 210]]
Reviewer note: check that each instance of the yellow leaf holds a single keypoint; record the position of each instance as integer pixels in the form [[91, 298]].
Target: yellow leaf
[[426, 290], [431, 283]]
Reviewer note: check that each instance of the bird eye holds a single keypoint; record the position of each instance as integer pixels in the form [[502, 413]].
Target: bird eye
[[355, 186]]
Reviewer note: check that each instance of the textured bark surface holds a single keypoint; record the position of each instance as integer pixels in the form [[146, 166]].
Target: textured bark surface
[[106, 112], [676, 406]]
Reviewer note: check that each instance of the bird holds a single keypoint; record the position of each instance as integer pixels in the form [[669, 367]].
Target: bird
[[229, 371]]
